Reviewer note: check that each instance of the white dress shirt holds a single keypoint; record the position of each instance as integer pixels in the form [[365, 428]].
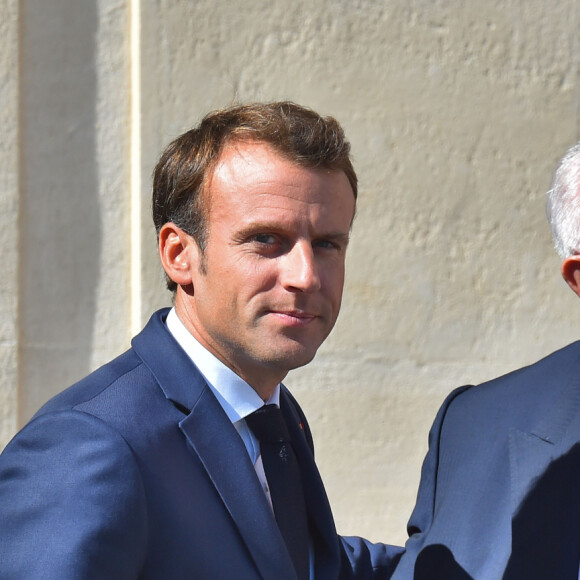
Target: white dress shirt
[[237, 398]]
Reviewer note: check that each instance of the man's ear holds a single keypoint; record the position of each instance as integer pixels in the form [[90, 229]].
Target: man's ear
[[179, 254], [571, 273]]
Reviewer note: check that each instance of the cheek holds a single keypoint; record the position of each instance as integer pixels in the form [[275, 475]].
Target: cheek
[[334, 274], [333, 283], [259, 276]]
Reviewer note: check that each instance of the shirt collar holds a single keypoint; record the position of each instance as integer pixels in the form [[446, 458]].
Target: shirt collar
[[237, 397]]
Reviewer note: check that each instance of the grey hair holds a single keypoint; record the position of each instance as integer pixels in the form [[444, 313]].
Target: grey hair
[[563, 204]]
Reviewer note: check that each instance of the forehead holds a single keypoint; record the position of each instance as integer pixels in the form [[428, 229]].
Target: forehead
[[254, 174]]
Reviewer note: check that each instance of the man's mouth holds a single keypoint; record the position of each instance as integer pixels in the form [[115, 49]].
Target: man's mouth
[[297, 318]]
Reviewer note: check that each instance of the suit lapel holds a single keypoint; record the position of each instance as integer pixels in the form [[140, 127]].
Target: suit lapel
[[218, 446], [226, 461]]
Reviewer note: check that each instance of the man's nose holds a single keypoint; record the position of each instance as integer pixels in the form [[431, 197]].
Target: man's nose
[[299, 270]]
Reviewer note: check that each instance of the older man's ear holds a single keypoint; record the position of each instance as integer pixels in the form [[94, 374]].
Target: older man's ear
[[571, 273]]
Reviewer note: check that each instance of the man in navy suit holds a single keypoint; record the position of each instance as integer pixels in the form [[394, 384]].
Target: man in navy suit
[[148, 468], [500, 486]]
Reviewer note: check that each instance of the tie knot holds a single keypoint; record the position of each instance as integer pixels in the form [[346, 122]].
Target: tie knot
[[268, 425]]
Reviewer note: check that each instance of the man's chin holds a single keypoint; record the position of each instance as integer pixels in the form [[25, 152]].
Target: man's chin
[[294, 356]]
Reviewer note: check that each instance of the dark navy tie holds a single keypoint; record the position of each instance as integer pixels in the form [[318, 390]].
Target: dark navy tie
[[283, 475]]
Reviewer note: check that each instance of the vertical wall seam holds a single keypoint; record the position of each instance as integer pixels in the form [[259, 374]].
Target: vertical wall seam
[[135, 178], [20, 218]]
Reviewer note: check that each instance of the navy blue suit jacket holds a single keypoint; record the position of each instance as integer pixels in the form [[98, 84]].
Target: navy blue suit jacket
[[136, 472], [500, 486]]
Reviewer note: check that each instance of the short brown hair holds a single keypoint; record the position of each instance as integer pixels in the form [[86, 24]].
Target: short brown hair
[[297, 133]]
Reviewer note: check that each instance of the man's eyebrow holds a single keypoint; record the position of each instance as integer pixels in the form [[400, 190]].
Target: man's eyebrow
[[269, 227], [258, 227], [335, 237]]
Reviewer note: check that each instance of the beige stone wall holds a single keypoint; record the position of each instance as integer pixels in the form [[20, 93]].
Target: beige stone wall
[[9, 211], [457, 112], [73, 148]]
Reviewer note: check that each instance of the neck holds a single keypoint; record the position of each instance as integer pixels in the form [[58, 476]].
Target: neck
[[262, 378]]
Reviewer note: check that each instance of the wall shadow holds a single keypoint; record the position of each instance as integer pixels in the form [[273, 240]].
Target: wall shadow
[[60, 231]]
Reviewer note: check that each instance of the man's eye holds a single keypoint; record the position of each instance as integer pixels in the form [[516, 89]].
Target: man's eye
[[265, 239], [325, 244]]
